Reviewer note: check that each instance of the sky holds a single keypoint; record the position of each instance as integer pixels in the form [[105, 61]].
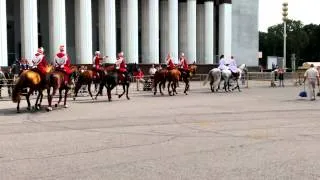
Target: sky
[[270, 12]]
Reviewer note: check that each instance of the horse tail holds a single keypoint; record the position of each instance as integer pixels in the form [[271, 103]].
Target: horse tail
[[17, 90], [207, 78]]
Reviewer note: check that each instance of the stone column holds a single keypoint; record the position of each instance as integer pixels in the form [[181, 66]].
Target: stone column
[[3, 34], [29, 28], [164, 30], [150, 31], [57, 28], [209, 32], [173, 29], [107, 33], [83, 17], [132, 55], [154, 31], [123, 9], [145, 31], [192, 30], [225, 28]]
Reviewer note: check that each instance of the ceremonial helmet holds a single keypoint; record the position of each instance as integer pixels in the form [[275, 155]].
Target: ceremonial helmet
[[97, 53]]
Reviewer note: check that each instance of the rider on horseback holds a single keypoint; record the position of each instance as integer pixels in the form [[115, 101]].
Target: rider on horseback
[[39, 65], [62, 63], [97, 62], [121, 66], [222, 64], [183, 65], [170, 64], [233, 67]]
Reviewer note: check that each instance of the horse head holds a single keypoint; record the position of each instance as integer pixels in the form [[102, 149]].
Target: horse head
[[192, 69]]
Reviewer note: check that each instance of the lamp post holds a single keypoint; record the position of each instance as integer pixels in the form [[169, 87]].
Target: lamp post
[[284, 18]]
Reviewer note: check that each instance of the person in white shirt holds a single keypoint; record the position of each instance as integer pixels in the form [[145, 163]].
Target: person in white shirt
[[152, 70], [312, 75]]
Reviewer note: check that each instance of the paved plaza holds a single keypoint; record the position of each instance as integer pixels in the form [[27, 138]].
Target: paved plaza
[[259, 133]]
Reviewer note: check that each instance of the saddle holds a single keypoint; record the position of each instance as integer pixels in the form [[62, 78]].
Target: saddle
[[235, 75]]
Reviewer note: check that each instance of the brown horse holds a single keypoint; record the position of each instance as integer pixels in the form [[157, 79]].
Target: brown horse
[[86, 77], [57, 82], [111, 79], [186, 76], [160, 78], [32, 80], [173, 77]]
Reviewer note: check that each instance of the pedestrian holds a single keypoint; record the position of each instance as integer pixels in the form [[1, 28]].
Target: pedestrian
[[281, 77], [312, 75]]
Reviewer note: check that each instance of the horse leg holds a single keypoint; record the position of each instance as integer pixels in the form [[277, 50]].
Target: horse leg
[[124, 88], [89, 90], [173, 88], [76, 90], [211, 86], [155, 88], [49, 108], [160, 86], [65, 98], [127, 91], [60, 98], [101, 86], [169, 84], [28, 98], [41, 96]]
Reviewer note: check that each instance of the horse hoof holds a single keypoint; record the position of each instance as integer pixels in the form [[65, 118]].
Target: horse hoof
[[56, 105], [66, 106], [28, 108], [128, 98], [119, 96], [49, 109], [74, 98], [154, 93]]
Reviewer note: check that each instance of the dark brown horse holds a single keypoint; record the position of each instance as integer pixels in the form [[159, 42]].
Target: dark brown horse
[[86, 77], [57, 82], [160, 78], [111, 80], [32, 80], [186, 76]]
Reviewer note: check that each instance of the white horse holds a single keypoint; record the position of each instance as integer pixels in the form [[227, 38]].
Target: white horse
[[227, 76], [215, 78]]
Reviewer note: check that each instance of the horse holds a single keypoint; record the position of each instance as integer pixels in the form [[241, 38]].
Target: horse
[[32, 80], [227, 75], [214, 76], [173, 77], [87, 77], [185, 76], [159, 78], [57, 82], [111, 79]]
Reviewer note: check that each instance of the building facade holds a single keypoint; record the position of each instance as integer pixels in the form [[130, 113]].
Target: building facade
[[145, 30]]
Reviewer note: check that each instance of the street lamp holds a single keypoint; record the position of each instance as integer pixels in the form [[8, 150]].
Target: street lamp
[[284, 18]]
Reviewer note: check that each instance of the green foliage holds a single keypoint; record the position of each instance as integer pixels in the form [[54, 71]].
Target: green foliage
[[304, 41]]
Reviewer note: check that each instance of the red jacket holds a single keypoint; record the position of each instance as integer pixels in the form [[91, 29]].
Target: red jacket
[[139, 75], [184, 64], [170, 64], [97, 62], [63, 62], [40, 61]]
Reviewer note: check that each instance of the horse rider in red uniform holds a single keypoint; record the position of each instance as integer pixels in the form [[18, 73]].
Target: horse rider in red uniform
[[183, 65], [39, 64], [62, 62], [170, 64], [97, 62], [121, 66]]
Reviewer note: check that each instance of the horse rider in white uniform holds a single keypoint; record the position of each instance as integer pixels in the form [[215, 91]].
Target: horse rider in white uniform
[[233, 66], [222, 63]]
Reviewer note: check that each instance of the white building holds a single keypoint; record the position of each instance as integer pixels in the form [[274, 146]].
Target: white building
[[145, 30]]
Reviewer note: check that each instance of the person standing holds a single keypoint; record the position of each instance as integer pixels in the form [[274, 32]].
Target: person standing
[[312, 75]]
